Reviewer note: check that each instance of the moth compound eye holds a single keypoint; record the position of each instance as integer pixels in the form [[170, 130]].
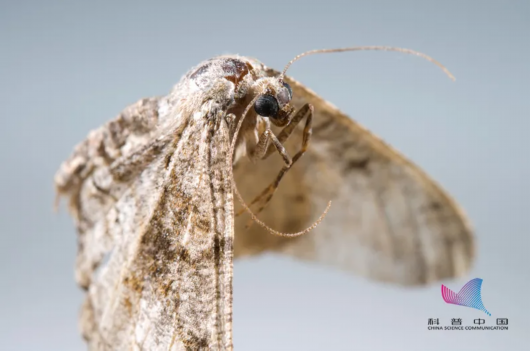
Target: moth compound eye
[[289, 90], [266, 106]]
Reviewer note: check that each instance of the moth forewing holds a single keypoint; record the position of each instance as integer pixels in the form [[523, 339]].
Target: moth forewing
[[167, 283]]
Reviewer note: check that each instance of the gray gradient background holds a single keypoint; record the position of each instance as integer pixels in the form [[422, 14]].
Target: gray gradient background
[[67, 67]]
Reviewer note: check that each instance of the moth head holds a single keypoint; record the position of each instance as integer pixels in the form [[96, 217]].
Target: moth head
[[274, 100]]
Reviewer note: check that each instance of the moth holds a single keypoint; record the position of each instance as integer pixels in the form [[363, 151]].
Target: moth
[[152, 196]]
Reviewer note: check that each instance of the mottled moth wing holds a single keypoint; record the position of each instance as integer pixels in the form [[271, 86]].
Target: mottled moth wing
[[388, 221], [155, 219]]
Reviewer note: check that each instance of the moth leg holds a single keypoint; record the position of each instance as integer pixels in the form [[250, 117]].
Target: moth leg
[[263, 146], [266, 195], [286, 132], [230, 118], [259, 153]]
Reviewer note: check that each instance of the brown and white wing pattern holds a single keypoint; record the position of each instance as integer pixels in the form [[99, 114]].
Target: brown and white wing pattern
[[162, 215], [388, 221], [87, 177]]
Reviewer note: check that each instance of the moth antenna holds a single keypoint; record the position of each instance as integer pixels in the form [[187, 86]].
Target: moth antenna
[[230, 159], [366, 48]]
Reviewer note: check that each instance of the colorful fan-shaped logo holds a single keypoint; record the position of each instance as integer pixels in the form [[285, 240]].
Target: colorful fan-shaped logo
[[468, 296]]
